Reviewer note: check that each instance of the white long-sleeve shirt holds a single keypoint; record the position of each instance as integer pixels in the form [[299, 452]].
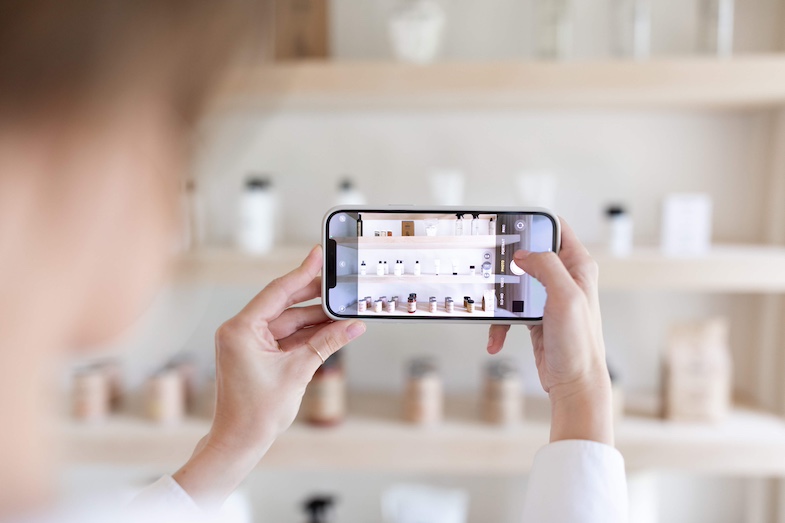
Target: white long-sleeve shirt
[[571, 481]]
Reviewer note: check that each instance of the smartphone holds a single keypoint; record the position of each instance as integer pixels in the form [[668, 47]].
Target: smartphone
[[448, 264]]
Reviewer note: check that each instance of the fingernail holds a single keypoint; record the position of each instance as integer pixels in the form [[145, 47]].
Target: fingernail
[[490, 341], [355, 329], [521, 255]]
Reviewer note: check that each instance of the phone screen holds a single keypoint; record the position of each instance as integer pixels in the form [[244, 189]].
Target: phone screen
[[434, 264]]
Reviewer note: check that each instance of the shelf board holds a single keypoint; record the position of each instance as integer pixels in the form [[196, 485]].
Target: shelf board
[[742, 81], [372, 439], [427, 279], [428, 242], [726, 268]]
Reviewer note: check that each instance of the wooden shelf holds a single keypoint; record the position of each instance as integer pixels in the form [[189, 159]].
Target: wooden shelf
[[372, 439], [429, 242], [743, 81], [726, 268], [428, 279]]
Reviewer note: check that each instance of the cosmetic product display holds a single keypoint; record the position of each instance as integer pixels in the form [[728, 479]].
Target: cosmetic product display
[[90, 396], [398, 269], [472, 270], [486, 269], [502, 400], [631, 25], [470, 305], [716, 27], [257, 211], [391, 305], [489, 301], [385, 268], [458, 225], [380, 268], [368, 302], [348, 194], [432, 305], [437, 266], [362, 306], [423, 401], [411, 304], [324, 402], [416, 29], [431, 228], [359, 225], [363, 269], [476, 225], [697, 373], [449, 305], [164, 396], [466, 301], [492, 226], [407, 228], [455, 267], [384, 300], [686, 224], [378, 305], [417, 270], [553, 29], [619, 230]]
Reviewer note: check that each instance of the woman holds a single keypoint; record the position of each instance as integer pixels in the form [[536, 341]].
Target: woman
[[96, 101]]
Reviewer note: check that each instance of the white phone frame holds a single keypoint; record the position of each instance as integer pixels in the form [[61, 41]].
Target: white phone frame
[[428, 209]]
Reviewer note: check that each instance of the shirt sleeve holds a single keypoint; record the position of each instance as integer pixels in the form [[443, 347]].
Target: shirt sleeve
[[576, 481]]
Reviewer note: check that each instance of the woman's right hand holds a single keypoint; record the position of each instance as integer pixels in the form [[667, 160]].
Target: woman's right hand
[[568, 346]]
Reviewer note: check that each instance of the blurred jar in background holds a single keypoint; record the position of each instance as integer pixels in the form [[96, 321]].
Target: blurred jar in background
[[90, 395], [716, 27], [257, 216], [324, 402], [416, 30], [423, 400], [164, 396], [348, 194], [502, 402], [631, 22], [553, 29]]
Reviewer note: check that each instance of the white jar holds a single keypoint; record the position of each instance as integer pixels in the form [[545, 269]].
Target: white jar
[[256, 228], [416, 29], [619, 231]]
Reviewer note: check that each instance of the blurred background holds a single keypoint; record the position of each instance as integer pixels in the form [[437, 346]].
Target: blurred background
[[654, 127]]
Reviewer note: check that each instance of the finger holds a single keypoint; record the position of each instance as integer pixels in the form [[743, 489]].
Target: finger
[[293, 319], [276, 297], [496, 336], [311, 291], [577, 260], [331, 337], [549, 270]]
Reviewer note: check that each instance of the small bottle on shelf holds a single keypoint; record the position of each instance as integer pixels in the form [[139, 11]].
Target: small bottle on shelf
[[380, 269], [437, 266], [417, 271], [472, 270], [423, 402], [363, 269], [449, 305], [377, 306], [502, 402], [432, 305], [470, 306], [458, 224], [412, 304], [362, 305], [476, 225], [324, 402], [386, 268], [398, 269], [492, 226]]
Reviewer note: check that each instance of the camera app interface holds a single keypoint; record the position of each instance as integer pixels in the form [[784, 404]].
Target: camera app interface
[[420, 264]]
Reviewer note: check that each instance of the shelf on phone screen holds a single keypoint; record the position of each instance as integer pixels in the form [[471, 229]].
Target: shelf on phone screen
[[429, 242], [429, 278], [422, 311]]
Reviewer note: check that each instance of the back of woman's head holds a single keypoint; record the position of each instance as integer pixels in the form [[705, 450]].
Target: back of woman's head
[[60, 55]]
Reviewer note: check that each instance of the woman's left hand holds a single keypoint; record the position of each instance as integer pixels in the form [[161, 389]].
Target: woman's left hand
[[265, 357]]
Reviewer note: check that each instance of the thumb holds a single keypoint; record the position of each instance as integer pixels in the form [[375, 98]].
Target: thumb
[[331, 338], [548, 269]]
